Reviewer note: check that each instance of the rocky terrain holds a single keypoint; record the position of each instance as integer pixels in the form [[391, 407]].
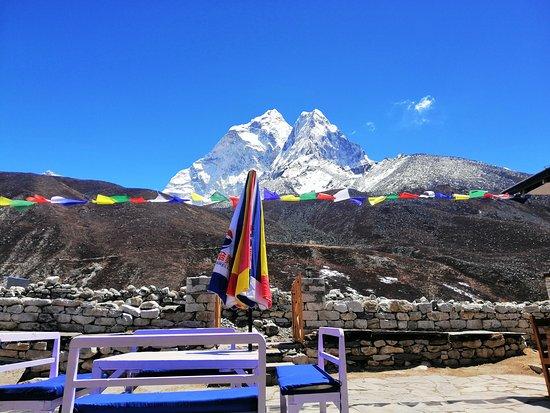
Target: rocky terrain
[[497, 250]]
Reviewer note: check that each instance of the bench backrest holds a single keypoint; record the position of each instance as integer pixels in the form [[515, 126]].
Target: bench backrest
[[257, 377], [213, 330], [30, 336], [339, 361]]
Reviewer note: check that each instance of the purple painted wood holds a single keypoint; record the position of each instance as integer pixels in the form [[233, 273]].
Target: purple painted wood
[[293, 403], [53, 361], [235, 359]]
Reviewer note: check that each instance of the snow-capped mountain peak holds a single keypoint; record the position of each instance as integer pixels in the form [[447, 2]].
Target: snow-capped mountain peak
[[252, 145], [314, 155]]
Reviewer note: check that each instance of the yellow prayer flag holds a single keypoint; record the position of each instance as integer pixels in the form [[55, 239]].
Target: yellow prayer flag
[[290, 198], [196, 197], [461, 197], [373, 200], [103, 200], [5, 201]]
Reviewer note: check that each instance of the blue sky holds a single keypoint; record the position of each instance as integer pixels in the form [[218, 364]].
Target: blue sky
[[133, 91]]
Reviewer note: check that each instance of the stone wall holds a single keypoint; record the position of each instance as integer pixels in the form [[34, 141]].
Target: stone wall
[[52, 306], [368, 350], [353, 311]]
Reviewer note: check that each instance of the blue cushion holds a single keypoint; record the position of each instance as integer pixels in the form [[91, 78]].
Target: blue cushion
[[305, 379], [244, 399], [49, 389]]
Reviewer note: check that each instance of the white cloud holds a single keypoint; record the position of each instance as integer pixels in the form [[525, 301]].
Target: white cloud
[[370, 126], [424, 104], [415, 113]]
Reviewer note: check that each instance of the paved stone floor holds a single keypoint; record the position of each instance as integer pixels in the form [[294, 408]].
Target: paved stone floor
[[434, 393]]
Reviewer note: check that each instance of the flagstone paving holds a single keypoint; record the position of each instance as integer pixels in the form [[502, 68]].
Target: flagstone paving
[[435, 393]]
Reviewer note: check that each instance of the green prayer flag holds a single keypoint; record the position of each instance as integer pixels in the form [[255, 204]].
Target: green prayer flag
[[308, 196], [477, 193], [120, 199], [20, 203], [392, 197], [217, 197]]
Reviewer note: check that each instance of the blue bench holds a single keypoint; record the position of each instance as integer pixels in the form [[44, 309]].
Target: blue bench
[[229, 400], [244, 399], [309, 383], [41, 396]]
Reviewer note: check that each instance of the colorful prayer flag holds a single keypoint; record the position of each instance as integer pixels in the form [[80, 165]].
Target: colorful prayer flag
[[103, 200], [373, 200], [270, 196], [290, 198], [408, 195], [218, 197], [341, 195], [461, 197], [308, 196], [325, 197]]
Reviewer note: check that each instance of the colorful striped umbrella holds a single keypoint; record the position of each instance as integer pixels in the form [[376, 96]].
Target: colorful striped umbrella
[[240, 277]]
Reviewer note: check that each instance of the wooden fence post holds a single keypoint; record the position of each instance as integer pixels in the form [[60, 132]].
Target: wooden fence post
[[217, 312], [297, 310]]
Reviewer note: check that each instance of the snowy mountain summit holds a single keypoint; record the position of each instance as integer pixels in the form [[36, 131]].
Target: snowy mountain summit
[[253, 145], [314, 155]]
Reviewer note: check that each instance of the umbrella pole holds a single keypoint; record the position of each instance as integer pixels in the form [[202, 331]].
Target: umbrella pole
[[249, 325]]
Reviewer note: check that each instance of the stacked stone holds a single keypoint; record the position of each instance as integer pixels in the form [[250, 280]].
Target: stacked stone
[[199, 302], [377, 313], [371, 350], [51, 306]]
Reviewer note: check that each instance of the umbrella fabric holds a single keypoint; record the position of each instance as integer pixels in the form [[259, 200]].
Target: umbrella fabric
[[373, 200], [341, 195], [240, 277], [270, 196], [325, 197], [308, 196], [67, 201]]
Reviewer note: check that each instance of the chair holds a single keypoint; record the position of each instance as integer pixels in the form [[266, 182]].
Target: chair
[[542, 340], [242, 399], [41, 396], [309, 383]]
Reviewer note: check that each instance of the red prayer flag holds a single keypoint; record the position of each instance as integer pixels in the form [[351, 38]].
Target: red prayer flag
[[39, 199], [408, 195], [325, 197], [234, 201], [138, 200]]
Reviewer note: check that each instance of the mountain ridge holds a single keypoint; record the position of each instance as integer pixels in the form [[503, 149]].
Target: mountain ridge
[[315, 155]]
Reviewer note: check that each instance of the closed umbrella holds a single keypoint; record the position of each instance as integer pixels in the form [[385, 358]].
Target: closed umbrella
[[240, 277]]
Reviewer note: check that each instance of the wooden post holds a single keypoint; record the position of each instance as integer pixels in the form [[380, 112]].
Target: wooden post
[[297, 310], [217, 312]]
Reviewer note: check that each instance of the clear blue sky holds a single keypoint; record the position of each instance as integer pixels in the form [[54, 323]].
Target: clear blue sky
[[133, 91]]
